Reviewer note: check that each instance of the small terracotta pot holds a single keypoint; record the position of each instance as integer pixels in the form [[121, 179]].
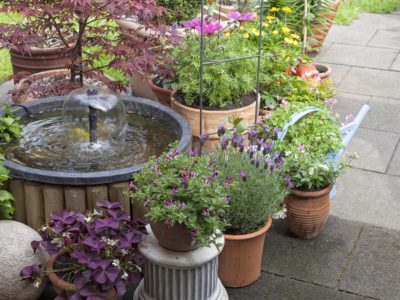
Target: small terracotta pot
[[60, 285], [176, 238], [239, 263], [162, 95], [307, 212], [325, 71]]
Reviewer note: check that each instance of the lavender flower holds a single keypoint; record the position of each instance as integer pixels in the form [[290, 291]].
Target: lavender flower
[[174, 190], [258, 161], [205, 213], [221, 129], [224, 143], [228, 180], [244, 175], [288, 182], [169, 202], [276, 133], [266, 147], [194, 152], [203, 138]]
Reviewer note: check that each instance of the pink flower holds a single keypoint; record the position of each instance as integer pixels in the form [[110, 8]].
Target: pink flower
[[168, 202], [330, 101], [301, 148], [283, 103], [192, 23], [209, 29], [205, 213], [234, 15], [241, 17]]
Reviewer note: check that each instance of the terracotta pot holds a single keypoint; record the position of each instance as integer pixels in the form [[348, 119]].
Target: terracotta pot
[[61, 72], [176, 238], [307, 212], [325, 71], [60, 285], [320, 31], [162, 95], [239, 263], [212, 118], [40, 60]]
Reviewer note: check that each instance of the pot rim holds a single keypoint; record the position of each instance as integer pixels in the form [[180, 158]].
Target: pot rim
[[312, 194], [54, 278], [158, 88], [219, 111], [239, 237]]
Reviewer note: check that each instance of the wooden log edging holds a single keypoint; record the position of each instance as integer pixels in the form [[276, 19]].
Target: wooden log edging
[[34, 202]]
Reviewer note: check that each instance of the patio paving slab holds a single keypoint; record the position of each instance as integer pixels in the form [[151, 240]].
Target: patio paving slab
[[396, 64], [368, 197], [356, 34], [271, 287], [359, 56], [338, 73], [386, 38], [383, 115], [375, 149], [394, 167], [371, 82], [349, 104], [319, 260], [375, 266], [381, 21]]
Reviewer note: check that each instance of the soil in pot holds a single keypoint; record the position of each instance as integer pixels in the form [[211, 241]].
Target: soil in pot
[[239, 263], [175, 238], [307, 212]]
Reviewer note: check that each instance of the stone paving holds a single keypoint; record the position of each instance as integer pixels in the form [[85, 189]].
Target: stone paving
[[357, 256]]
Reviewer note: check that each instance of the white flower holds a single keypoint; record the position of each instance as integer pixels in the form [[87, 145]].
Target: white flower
[[58, 241], [66, 234], [125, 275], [288, 152], [108, 241], [43, 228], [311, 171], [124, 251], [116, 263], [280, 214], [37, 282], [89, 219], [96, 212], [323, 167]]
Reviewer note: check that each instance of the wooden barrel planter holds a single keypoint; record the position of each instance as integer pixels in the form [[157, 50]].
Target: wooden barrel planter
[[40, 192]]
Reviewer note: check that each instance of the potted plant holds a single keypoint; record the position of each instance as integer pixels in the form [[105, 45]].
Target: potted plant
[[228, 88], [184, 198], [255, 199], [311, 178], [97, 42], [92, 255]]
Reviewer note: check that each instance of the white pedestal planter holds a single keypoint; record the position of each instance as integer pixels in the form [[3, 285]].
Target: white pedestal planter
[[173, 275]]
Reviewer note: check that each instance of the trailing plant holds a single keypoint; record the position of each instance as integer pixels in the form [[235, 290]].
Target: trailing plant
[[317, 133], [224, 84], [79, 25], [179, 10], [184, 189], [260, 189], [100, 250]]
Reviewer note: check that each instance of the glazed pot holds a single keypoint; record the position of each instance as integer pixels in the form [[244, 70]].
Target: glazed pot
[[22, 98], [239, 263], [212, 118], [60, 285], [175, 238], [307, 212], [162, 95], [40, 60]]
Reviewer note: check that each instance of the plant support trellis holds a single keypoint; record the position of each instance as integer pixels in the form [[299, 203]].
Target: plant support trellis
[[204, 62]]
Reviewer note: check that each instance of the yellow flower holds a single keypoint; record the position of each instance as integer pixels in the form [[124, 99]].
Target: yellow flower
[[275, 32], [286, 9], [265, 24], [227, 34], [288, 40], [246, 35], [296, 43], [270, 18], [274, 9], [285, 30], [295, 36], [257, 32]]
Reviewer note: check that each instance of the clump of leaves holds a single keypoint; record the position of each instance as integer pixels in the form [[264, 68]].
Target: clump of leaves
[[179, 10], [100, 250]]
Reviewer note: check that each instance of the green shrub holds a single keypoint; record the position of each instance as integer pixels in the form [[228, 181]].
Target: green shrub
[[180, 10]]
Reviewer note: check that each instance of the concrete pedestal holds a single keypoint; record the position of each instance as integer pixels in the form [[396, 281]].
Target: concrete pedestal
[[173, 275]]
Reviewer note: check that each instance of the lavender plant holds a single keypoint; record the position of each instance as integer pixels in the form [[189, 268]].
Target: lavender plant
[[260, 189], [185, 189], [100, 250]]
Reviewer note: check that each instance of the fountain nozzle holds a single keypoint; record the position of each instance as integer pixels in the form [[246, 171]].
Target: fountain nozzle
[[92, 117]]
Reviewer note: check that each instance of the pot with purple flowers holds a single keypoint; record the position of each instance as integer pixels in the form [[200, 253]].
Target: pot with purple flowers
[[255, 199], [228, 88], [185, 199], [93, 255]]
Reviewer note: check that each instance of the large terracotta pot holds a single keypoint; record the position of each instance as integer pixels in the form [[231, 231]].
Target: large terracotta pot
[[175, 238], [60, 285], [239, 263], [40, 60], [307, 212], [162, 95], [320, 31], [61, 72], [212, 118]]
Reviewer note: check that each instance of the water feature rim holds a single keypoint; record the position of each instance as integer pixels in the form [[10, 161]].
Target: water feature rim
[[147, 108]]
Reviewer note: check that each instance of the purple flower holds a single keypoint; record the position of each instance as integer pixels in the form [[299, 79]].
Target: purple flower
[[288, 182], [241, 17], [194, 152], [104, 224], [266, 147], [258, 162], [283, 103], [228, 180], [66, 217], [228, 198], [241, 146], [193, 232], [94, 244], [129, 238], [205, 213], [181, 205], [276, 133], [209, 28], [119, 215], [234, 15], [203, 138], [224, 142], [169, 202], [267, 163], [252, 150], [215, 174], [252, 136], [221, 129], [259, 144], [243, 175], [192, 23], [132, 186], [301, 148], [31, 271], [174, 190]]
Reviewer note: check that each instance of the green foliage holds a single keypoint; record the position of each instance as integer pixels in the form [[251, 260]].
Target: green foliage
[[178, 188], [351, 9], [180, 10], [10, 129], [6, 199], [224, 84], [317, 132], [254, 199], [310, 171], [305, 92]]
